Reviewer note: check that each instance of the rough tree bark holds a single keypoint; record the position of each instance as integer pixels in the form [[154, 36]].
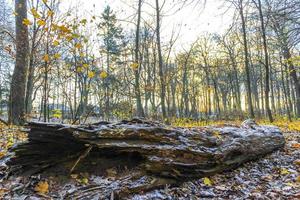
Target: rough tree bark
[[18, 83], [170, 154]]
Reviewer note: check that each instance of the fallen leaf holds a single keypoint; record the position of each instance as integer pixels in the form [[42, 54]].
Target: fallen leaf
[[284, 171], [217, 134], [42, 187], [111, 172], [296, 145], [297, 162], [84, 181], [2, 154], [74, 176], [207, 181]]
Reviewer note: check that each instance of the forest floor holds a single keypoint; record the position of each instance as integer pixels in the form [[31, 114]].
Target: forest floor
[[276, 176]]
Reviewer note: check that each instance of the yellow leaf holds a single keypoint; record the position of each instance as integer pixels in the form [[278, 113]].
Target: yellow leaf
[[84, 181], [27, 22], [79, 69], [298, 179], [2, 154], [69, 38], [217, 134], [81, 54], [57, 56], [78, 46], [134, 66], [64, 29], [284, 171], [35, 13], [45, 1], [207, 181], [42, 187], [55, 43], [50, 13], [46, 58], [103, 75], [85, 65], [91, 74], [9, 144], [55, 27], [15, 13], [41, 22]]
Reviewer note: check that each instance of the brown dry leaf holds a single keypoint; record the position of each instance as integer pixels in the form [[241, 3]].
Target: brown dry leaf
[[3, 191], [42, 187], [296, 145], [74, 176], [2, 154], [111, 172], [297, 162]]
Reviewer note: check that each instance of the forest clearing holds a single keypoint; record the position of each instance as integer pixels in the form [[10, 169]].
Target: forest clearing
[[149, 99]]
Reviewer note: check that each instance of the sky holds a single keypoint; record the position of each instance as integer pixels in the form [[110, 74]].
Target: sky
[[189, 22]]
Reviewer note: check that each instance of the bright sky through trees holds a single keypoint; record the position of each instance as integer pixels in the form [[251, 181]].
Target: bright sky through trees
[[191, 20]]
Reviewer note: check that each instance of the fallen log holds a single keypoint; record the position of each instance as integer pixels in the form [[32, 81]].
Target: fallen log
[[170, 154]]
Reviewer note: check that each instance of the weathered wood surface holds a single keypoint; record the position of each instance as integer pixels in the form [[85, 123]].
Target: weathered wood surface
[[169, 153]]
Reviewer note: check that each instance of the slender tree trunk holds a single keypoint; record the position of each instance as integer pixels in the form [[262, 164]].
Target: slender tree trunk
[[286, 102], [267, 70], [160, 63], [18, 83], [246, 54], [139, 107], [45, 102], [294, 77]]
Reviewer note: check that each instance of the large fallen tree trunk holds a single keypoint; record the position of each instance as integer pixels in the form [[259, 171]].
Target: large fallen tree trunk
[[157, 150]]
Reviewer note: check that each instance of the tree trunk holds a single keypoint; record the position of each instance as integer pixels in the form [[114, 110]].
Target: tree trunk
[[176, 154], [267, 70], [160, 63], [139, 107], [18, 83], [294, 77], [246, 54]]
